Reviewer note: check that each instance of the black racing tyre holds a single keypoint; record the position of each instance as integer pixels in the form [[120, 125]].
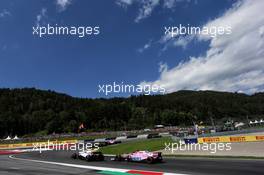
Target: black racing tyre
[[150, 160], [88, 158], [100, 157], [160, 160], [74, 156], [118, 158]]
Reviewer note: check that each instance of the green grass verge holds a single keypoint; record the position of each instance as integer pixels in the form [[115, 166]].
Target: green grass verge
[[149, 144]]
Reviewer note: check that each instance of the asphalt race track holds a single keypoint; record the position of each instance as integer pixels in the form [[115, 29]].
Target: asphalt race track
[[14, 166], [17, 167]]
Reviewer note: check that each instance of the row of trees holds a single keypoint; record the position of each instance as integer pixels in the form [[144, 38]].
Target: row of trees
[[27, 111]]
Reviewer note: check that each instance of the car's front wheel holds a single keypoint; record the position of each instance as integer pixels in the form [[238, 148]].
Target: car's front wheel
[[88, 158], [118, 158]]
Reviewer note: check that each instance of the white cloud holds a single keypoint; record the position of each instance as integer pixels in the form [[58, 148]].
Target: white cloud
[[63, 4], [232, 63], [163, 67], [40, 16], [4, 13], [181, 41], [124, 3], [145, 47], [177, 41], [170, 3], [146, 7], [261, 31]]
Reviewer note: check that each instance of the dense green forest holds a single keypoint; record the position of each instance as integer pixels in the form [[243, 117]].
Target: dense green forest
[[27, 111]]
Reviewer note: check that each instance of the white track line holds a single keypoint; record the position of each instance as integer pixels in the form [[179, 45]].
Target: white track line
[[82, 166]]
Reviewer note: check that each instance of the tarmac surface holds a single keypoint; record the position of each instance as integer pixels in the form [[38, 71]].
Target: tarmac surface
[[17, 167], [20, 164], [246, 149]]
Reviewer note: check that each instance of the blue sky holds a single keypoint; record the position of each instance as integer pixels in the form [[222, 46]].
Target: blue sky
[[128, 48]]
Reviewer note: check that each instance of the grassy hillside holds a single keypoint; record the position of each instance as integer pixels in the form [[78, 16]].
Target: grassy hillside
[[28, 111]]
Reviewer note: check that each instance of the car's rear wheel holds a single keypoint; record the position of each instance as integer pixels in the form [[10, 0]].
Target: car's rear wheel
[[160, 159], [101, 157], [150, 160], [74, 156]]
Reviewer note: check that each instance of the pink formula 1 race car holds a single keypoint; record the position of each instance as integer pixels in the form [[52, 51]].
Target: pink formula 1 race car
[[140, 156]]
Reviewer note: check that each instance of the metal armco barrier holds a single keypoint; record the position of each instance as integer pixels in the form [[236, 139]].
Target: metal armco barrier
[[100, 140], [143, 136], [121, 138]]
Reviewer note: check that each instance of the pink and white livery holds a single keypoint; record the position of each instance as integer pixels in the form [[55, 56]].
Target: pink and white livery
[[140, 156]]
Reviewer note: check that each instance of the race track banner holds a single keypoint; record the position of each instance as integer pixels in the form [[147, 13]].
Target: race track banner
[[222, 139], [30, 145]]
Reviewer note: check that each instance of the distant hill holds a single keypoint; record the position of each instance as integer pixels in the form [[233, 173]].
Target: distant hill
[[28, 110]]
